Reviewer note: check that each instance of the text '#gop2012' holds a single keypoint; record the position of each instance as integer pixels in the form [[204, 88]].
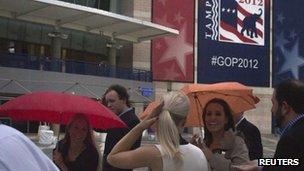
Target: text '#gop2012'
[[221, 61]]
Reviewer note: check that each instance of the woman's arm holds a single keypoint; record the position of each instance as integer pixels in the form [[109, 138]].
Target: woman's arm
[[216, 161], [58, 160], [237, 152], [121, 155], [197, 141]]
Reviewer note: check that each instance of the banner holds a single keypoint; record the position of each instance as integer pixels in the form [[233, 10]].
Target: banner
[[172, 56], [288, 40], [233, 41]]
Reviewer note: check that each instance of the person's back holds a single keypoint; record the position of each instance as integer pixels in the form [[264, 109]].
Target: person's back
[[17, 152], [291, 146], [288, 110], [114, 135], [192, 159]]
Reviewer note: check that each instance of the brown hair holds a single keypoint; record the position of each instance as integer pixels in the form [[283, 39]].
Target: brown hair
[[89, 142]]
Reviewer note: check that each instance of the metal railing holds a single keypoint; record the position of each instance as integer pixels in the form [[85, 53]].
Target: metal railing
[[73, 66]]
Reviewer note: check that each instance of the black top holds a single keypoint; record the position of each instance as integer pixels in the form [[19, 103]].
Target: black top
[[291, 146], [252, 139], [114, 135], [87, 160]]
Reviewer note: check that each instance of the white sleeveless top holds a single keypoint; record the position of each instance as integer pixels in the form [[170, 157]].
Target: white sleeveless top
[[193, 159]]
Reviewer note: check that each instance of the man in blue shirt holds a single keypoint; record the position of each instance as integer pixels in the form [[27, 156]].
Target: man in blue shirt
[[288, 109], [17, 152]]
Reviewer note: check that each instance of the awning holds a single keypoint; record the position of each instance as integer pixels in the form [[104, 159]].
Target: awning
[[77, 17]]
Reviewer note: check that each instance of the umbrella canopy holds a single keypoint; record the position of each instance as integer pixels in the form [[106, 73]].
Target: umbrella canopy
[[149, 109], [56, 107], [239, 97]]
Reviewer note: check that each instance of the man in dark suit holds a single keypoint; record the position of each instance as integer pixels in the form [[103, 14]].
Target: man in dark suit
[[117, 99], [288, 109], [252, 137]]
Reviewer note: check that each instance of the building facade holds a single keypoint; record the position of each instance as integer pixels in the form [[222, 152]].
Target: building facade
[[86, 63]]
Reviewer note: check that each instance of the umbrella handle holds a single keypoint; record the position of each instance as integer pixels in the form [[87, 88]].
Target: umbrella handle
[[198, 104]]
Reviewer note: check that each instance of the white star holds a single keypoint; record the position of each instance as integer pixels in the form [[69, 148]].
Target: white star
[[178, 17], [233, 11], [277, 59], [281, 41], [158, 45], [293, 34], [228, 10], [163, 2], [223, 9], [292, 61], [170, 73], [177, 49], [163, 21], [280, 18]]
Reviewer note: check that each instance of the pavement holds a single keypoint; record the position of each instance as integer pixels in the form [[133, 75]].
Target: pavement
[[269, 142]]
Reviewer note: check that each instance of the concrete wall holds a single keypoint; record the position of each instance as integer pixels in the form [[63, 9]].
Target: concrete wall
[[261, 116], [91, 86], [142, 51]]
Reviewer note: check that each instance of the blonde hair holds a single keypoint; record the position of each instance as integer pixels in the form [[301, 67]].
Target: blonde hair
[[175, 110]]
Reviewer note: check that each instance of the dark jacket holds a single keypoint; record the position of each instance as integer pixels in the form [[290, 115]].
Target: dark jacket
[[290, 146], [87, 159], [114, 135], [252, 139]]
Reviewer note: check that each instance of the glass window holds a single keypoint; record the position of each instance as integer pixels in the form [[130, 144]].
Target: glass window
[[89, 42], [16, 30], [102, 4], [33, 33], [3, 27], [77, 40], [100, 45], [66, 43], [45, 39]]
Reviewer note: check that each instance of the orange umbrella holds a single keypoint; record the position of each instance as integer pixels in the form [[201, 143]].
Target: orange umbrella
[[148, 110], [238, 96]]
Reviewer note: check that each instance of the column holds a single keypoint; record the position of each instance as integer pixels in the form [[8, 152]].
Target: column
[[56, 50], [55, 66], [112, 60]]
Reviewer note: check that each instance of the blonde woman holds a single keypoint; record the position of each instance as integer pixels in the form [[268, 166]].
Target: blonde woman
[[173, 152]]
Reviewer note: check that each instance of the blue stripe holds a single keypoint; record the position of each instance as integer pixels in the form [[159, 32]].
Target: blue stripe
[[291, 123]]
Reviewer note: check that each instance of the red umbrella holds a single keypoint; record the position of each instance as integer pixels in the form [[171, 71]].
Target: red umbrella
[[56, 107]]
